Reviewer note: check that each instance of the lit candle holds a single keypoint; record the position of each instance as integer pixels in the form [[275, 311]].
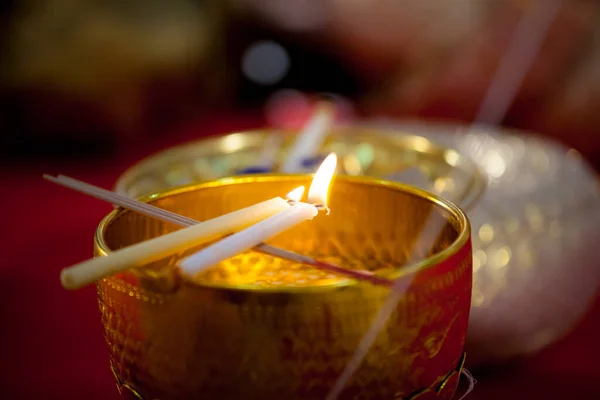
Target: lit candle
[[142, 253], [272, 226], [310, 139], [319, 188]]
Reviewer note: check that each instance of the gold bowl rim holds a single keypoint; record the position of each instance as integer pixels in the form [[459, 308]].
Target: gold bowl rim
[[396, 137], [399, 272]]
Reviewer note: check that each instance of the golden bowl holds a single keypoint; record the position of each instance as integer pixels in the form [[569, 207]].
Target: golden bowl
[[389, 154], [257, 327]]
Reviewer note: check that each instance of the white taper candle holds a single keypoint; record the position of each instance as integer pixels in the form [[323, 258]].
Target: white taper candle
[[310, 139], [247, 238], [154, 249]]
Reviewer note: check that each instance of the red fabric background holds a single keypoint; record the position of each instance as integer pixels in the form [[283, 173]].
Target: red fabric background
[[52, 344]]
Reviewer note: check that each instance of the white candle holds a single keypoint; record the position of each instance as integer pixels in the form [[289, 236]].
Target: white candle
[[141, 254], [272, 226], [248, 238], [319, 189], [310, 139]]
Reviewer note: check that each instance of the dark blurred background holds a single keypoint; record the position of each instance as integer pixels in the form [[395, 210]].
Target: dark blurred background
[[80, 76]]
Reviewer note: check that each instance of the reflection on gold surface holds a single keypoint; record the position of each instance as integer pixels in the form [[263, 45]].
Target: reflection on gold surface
[[258, 328], [232, 143], [502, 257], [478, 298], [444, 185], [486, 233], [534, 217], [453, 158], [362, 151], [479, 259], [565, 191], [352, 165]]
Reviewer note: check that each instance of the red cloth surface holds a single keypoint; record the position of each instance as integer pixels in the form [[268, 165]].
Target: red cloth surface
[[52, 343]]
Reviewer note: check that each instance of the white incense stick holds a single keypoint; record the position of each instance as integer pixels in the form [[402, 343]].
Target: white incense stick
[[310, 139], [168, 216], [142, 253], [247, 238], [524, 47], [122, 201]]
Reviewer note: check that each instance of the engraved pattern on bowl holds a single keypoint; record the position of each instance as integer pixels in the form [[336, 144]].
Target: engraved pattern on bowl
[[269, 342]]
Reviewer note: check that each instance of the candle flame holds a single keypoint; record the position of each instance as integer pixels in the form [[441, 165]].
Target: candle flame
[[319, 188], [296, 194]]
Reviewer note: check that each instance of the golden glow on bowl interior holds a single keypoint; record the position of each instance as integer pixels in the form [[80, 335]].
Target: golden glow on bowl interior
[[373, 226]]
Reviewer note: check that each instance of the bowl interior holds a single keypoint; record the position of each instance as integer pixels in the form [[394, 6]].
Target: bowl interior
[[373, 225]]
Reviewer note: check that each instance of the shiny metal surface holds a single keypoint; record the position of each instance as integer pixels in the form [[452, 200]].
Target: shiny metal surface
[[534, 206], [392, 154], [536, 232], [257, 327]]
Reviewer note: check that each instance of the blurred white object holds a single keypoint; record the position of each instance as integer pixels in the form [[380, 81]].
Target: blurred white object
[[536, 237]]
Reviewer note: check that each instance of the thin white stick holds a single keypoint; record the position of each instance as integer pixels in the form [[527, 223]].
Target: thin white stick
[[122, 201], [142, 253], [472, 382], [524, 47], [168, 216]]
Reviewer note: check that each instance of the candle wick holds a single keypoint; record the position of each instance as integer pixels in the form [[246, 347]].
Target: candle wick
[[322, 207]]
